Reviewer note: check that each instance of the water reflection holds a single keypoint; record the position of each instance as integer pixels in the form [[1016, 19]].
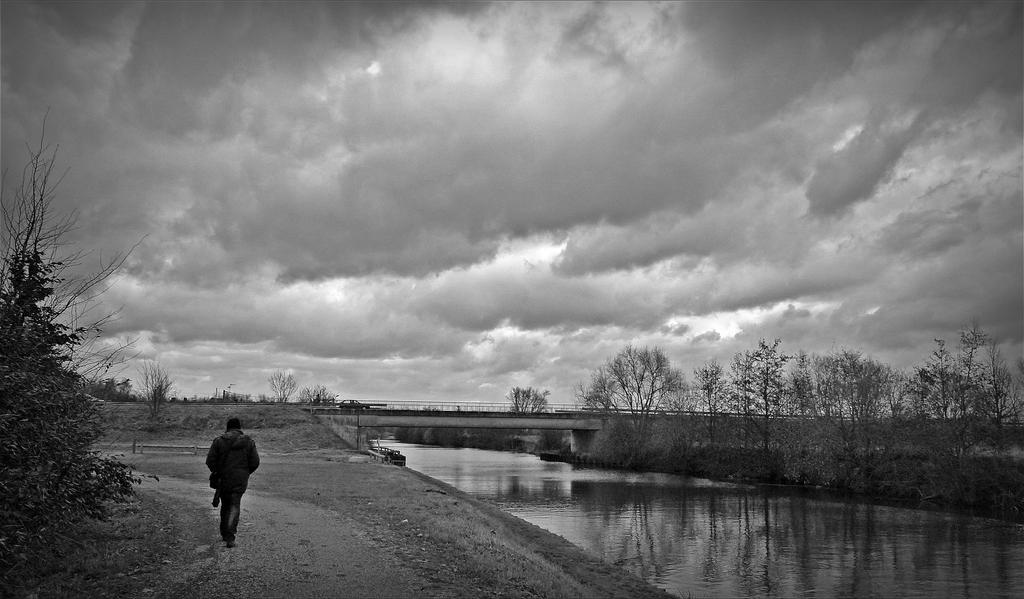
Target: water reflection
[[701, 538]]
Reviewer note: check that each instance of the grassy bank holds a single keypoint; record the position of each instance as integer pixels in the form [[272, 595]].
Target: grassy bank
[[281, 427], [119, 557]]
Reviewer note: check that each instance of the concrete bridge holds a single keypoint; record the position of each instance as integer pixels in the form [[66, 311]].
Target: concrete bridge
[[351, 424]]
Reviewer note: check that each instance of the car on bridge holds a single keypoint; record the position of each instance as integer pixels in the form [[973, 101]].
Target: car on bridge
[[352, 404]]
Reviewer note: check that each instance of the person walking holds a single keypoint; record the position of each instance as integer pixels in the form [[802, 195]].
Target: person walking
[[231, 459]]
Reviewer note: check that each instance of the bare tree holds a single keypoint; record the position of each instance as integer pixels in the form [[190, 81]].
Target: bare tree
[[953, 386], [854, 393], [1003, 401], [155, 385], [527, 400], [759, 388], [282, 385], [317, 394], [801, 385], [934, 382], [853, 387], [741, 390], [635, 383], [29, 230], [597, 394], [710, 382], [969, 390]]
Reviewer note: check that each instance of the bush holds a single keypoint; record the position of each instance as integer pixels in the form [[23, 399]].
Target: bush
[[49, 474]]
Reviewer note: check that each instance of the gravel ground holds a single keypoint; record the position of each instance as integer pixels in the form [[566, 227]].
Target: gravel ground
[[330, 523], [285, 549]]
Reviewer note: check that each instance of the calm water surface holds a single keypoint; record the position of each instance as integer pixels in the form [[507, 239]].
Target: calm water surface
[[695, 537]]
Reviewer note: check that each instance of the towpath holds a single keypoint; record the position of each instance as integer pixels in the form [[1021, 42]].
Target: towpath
[[285, 549], [328, 523]]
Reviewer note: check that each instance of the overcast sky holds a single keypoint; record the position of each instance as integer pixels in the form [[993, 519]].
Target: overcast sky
[[409, 201]]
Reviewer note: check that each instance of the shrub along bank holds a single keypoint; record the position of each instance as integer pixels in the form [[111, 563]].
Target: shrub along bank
[[948, 431], [902, 459], [51, 478], [908, 460]]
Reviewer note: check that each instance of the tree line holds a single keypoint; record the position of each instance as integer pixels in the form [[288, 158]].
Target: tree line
[[939, 431], [155, 387]]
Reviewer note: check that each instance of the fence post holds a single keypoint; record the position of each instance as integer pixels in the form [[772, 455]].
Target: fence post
[[134, 441]]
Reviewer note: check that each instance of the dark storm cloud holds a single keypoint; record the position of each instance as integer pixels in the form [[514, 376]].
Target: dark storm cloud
[[452, 198], [412, 183], [931, 232], [592, 35], [854, 172], [773, 53], [181, 53], [209, 116]]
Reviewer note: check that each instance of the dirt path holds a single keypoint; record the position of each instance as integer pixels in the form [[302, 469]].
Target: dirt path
[[285, 549], [321, 520], [329, 523]]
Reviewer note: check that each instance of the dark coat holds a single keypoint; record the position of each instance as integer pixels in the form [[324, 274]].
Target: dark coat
[[233, 457]]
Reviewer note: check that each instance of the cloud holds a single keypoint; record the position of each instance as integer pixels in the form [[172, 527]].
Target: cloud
[[708, 337], [935, 68], [447, 199], [354, 321], [854, 172], [931, 232]]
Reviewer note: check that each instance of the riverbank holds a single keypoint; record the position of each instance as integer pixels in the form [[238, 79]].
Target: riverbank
[[319, 520], [419, 537], [329, 523], [699, 538], [912, 467]]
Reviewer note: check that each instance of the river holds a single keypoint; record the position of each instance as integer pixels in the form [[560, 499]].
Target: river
[[700, 538]]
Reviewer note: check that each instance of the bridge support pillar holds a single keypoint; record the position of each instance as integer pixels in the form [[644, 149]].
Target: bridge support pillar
[[347, 428], [582, 442]]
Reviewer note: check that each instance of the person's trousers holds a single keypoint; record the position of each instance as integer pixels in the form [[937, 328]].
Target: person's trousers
[[230, 508]]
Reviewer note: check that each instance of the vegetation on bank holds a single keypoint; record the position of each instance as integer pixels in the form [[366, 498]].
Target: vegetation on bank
[[51, 478], [156, 388], [121, 555], [948, 432], [276, 427], [909, 462]]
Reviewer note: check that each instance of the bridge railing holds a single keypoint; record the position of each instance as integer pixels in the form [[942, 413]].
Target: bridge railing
[[435, 406]]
